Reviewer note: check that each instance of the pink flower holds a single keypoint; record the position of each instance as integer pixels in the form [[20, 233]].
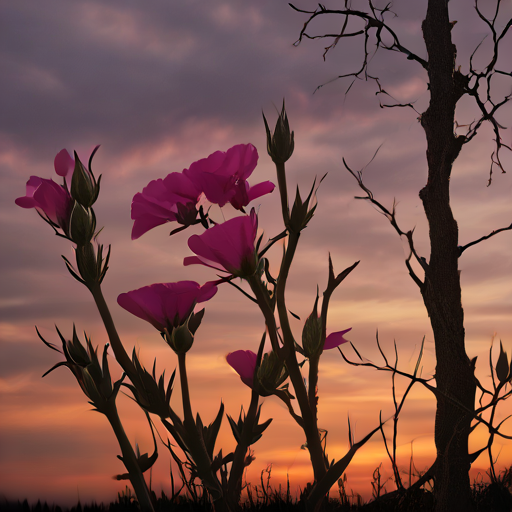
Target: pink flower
[[222, 176], [230, 245], [244, 363], [47, 196], [335, 339], [166, 305], [172, 199]]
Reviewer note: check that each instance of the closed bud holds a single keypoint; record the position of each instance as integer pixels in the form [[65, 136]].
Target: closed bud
[[303, 211], [312, 333], [84, 187], [280, 144], [502, 366], [82, 224], [76, 353], [93, 378], [87, 264]]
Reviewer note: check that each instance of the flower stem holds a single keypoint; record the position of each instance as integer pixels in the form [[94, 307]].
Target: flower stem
[[115, 342], [313, 384], [185, 393], [195, 441], [309, 419], [237, 468], [283, 191], [130, 461]]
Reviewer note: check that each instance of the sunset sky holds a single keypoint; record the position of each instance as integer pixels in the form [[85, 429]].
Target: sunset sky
[[162, 84]]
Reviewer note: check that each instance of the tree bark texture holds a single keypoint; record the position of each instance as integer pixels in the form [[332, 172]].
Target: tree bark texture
[[441, 290]]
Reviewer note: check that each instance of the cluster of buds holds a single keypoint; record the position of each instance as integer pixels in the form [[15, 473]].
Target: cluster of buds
[[84, 192], [93, 378], [150, 393], [70, 210]]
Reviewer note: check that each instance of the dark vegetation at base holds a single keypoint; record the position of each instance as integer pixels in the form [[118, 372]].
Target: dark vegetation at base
[[494, 497]]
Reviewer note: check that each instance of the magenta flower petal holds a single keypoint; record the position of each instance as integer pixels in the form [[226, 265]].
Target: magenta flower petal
[[266, 187], [218, 175], [159, 200], [230, 245], [63, 163], [244, 363], [335, 339], [164, 305], [244, 193], [49, 197]]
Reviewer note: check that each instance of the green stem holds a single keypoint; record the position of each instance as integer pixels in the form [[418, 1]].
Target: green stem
[[310, 425], [313, 383], [185, 393], [308, 412], [195, 441], [130, 462], [283, 191], [115, 342]]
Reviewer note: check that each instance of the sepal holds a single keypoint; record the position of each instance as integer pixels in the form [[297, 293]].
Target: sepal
[[210, 432], [303, 211], [257, 429]]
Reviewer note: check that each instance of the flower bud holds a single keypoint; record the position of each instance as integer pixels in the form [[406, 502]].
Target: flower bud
[[84, 187], [180, 338], [502, 366], [280, 144], [82, 224], [93, 378], [75, 351], [87, 264], [311, 336], [271, 374], [303, 211], [312, 333]]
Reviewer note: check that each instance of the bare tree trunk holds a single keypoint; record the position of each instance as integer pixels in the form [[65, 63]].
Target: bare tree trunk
[[441, 290]]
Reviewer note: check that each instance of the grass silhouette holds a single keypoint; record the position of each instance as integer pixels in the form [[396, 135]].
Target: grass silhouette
[[488, 497]]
